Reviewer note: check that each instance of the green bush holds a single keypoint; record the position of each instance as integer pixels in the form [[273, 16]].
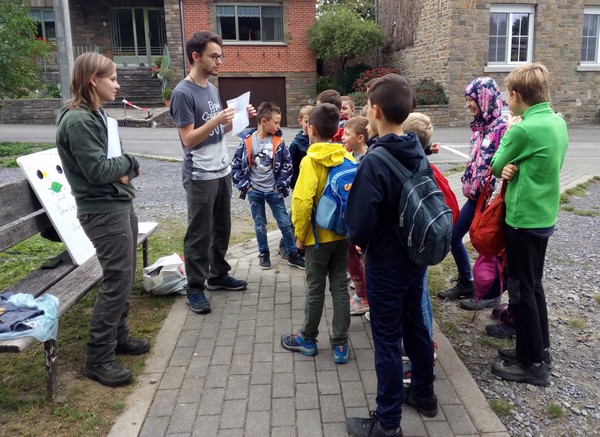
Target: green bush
[[345, 80], [326, 83], [360, 84], [430, 92], [360, 99]]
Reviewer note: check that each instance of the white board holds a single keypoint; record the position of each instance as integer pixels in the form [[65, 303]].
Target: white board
[[45, 174]]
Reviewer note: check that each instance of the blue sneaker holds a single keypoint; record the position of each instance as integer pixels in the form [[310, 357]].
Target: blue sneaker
[[340, 353], [198, 303], [226, 283], [297, 343]]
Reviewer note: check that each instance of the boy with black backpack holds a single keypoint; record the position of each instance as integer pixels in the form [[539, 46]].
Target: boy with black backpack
[[394, 278], [326, 251]]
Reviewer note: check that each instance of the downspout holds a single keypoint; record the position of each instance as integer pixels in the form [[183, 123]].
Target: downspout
[[182, 38]]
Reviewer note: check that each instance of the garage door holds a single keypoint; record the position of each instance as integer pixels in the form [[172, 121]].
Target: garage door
[[261, 89]]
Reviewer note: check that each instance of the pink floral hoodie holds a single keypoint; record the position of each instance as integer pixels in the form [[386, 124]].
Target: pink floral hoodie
[[487, 130]]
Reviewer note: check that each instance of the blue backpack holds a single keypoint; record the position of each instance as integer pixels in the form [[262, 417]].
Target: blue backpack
[[331, 207], [424, 220]]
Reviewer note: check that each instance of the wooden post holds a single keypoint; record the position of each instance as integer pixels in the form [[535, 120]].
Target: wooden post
[[50, 354]]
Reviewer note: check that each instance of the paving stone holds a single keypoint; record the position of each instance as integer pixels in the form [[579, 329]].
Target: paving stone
[[205, 347], [216, 376], [234, 414], [183, 418], [172, 378], [243, 345], [198, 367], [352, 393], [282, 311], [309, 423], [265, 304], [412, 424], [155, 426], [259, 398], [247, 327], [283, 412], [229, 321], [438, 428], [226, 337], [209, 330], [258, 423], [445, 392], [188, 338], [181, 356], [283, 385], [369, 378], [360, 340], [261, 373], [237, 387], [328, 382], [222, 355], [459, 419], [248, 313], [332, 409], [211, 402], [191, 390], [283, 361], [307, 396], [349, 371], [335, 429], [304, 370], [264, 334], [206, 426], [241, 364]]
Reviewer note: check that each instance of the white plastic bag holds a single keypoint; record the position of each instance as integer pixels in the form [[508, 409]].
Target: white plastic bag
[[165, 276]]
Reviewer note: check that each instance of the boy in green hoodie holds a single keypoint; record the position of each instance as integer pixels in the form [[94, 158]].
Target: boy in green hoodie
[[330, 259], [530, 157]]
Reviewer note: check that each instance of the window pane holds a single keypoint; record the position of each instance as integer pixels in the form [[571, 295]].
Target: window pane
[[226, 27], [520, 24], [249, 28], [272, 23], [249, 11], [589, 42], [498, 37], [225, 11], [50, 30]]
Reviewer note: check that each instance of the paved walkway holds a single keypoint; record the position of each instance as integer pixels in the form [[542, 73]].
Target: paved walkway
[[225, 373]]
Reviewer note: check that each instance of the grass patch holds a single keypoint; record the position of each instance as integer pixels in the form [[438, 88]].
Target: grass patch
[[555, 410], [84, 408], [458, 168], [587, 213], [494, 343], [500, 407], [9, 152], [576, 323]]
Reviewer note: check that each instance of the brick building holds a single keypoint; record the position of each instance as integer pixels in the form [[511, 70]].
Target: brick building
[[455, 41], [265, 42]]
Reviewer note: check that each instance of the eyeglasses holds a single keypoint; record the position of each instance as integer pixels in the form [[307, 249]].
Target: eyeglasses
[[216, 57]]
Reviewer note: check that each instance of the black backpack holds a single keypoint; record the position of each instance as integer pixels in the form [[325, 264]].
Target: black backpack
[[424, 219]]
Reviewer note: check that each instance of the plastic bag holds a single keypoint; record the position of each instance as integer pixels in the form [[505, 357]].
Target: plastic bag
[[165, 276], [43, 327]]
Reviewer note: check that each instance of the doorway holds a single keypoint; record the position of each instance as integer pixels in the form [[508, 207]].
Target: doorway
[[138, 35]]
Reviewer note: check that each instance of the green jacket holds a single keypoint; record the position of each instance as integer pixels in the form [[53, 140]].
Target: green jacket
[[537, 146], [82, 140]]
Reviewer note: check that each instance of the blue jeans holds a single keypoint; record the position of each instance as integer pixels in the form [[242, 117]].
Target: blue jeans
[[459, 252], [395, 295], [275, 200]]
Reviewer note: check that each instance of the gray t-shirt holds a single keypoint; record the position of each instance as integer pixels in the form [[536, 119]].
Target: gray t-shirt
[[192, 104], [261, 171]]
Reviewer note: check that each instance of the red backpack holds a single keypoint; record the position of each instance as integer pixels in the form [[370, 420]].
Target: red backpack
[[487, 229]]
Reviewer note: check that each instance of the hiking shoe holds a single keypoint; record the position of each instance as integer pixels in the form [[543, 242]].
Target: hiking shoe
[[297, 343], [474, 304], [295, 260], [133, 346], [198, 303], [358, 307], [501, 330], [426, 406], [264, 261], [462, 289], [369, 427], [340, 353], [226, 283], [110, 373], [510, 357], [519, 372], [282, 250]]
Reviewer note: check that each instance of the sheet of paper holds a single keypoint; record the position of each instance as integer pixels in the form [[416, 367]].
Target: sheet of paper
[[114, 141], [240, 119]]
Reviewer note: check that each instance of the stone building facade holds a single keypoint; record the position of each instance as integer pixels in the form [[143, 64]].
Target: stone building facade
[[452, 40]]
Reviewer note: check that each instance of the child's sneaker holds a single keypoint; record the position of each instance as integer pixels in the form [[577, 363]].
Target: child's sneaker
[[340, 354], [297, 343], [282, 250], [358, 306], [295, 260], [264, 260]]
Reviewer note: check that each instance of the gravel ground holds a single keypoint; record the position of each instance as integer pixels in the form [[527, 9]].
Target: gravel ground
[[572, 283]]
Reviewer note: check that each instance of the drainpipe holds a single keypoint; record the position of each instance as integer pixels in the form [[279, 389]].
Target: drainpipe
[[64, 46], [182, 38]]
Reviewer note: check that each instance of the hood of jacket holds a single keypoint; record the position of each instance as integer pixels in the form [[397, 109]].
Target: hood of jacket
[[302, 142], [327, 154], [485, 92]]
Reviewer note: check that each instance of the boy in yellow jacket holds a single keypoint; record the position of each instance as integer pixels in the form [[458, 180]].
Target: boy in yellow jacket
[[330, 259]]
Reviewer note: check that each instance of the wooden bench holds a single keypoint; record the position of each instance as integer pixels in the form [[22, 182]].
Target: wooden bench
[[22, 216]]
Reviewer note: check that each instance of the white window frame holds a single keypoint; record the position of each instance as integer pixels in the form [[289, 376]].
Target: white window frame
[[237, 30], [43, 11], [507, 64], [595, 64]]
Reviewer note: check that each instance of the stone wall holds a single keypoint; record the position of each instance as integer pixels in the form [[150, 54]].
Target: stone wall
[[29, 111]]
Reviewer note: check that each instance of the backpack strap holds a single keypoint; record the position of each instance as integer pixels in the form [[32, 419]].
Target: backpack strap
[[395, 165]]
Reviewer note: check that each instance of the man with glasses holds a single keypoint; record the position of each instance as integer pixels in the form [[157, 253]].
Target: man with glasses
[[202, 124]]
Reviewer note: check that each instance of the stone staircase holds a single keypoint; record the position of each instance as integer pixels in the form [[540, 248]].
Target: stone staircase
[[138, 87]]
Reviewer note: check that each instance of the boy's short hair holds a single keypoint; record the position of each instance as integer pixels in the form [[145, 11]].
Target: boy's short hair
[[348, 99], [330, 96], [325, 118], [531, 82], [421, 125], [266, 110], [358, 125], [394, 95], [305, 110]]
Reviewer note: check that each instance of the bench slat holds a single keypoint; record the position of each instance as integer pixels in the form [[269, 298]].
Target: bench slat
[[23, 228], [42, 279], [21, 198]]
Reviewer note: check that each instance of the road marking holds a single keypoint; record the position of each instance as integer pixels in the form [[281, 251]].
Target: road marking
[[453, 150]]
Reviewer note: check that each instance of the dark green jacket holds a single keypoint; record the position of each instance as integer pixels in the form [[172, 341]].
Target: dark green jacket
[[82, 141]]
